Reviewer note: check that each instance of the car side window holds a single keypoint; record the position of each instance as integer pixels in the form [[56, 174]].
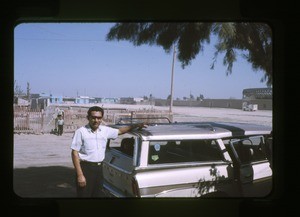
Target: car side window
[[250, 149], [257, 146], [183, 151]]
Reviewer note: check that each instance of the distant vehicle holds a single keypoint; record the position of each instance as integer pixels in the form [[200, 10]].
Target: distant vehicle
[[190, 159], [249, 107]]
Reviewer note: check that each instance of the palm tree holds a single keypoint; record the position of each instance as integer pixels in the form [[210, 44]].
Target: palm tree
[[252, 40]]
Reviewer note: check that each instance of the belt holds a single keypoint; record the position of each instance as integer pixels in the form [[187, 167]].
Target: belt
[[91, 163]]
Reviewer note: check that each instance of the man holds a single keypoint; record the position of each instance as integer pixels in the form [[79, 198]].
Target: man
[[88, 151], [60, 125]]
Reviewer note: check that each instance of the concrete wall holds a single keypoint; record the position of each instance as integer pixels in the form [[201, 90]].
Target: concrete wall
[[263, 104]]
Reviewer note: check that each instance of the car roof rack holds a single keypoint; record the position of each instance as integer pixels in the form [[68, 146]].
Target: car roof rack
[[199, 125], [149, 120]]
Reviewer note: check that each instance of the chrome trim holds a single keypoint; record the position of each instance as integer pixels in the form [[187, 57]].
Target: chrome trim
[[188, 136], [163, 190], [181, 165], [171, 190], [265, 179]]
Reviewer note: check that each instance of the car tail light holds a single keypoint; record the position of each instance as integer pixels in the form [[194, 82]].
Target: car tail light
[[135, 187]]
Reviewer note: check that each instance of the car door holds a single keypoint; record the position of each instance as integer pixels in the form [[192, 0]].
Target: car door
[[119, 165], [253, 171]]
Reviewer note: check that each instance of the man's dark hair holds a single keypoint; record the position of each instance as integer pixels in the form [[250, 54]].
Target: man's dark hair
[[96, 109]]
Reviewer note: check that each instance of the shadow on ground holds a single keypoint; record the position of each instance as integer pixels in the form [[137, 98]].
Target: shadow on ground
[[45, 182]]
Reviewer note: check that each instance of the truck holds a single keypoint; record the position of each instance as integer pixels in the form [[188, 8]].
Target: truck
[[190, 159], [249, 107]]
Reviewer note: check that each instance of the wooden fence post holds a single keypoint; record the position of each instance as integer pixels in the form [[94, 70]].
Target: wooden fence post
[[27, 121], [42, 121]]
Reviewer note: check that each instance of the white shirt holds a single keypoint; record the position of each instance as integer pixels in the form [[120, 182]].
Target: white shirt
[[91, 145], [60, 122]]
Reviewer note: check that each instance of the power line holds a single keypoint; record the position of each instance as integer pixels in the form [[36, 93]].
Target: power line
[[53, 39]]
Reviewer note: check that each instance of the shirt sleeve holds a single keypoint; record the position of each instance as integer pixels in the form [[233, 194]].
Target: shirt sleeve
[[77, 140], [112, 133]]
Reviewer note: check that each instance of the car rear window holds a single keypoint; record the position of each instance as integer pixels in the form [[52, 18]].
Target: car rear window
[[124, 143]]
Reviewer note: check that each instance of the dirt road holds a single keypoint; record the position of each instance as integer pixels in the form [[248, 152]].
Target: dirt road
[[43, 166]]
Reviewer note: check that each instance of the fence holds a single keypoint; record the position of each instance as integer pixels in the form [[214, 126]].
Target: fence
[[26, 121], [44, 121]]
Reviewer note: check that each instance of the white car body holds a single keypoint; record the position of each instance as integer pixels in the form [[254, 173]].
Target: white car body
[[169, 160]]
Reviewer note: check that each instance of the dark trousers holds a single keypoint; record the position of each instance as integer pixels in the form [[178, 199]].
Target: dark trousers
[[60, 129], [94, 181]]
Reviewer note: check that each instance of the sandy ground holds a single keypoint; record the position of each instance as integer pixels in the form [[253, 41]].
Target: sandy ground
[[43, 166], [263, 117]]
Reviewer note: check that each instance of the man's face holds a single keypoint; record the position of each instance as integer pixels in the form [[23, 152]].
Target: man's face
[[95, 119]]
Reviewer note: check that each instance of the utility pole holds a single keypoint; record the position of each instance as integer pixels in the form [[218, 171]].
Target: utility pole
[[28, 91], [172, 80]]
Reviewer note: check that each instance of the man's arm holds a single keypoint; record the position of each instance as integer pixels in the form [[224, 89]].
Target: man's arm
[[76, 162], [126, 129]]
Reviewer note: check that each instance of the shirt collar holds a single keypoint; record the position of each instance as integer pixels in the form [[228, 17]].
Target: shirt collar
[[89, 129]]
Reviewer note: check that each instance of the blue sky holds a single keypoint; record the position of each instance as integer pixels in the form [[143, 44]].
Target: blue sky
[[74, 58]]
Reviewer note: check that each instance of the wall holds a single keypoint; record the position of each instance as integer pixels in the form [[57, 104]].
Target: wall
[[263, 104]]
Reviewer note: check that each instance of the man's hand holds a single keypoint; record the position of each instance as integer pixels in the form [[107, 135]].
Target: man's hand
[[141, 126], [81, 181], [126, 129]]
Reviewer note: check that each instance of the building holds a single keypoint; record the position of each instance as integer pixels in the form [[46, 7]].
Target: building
[[82, 100], [257, 93]]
